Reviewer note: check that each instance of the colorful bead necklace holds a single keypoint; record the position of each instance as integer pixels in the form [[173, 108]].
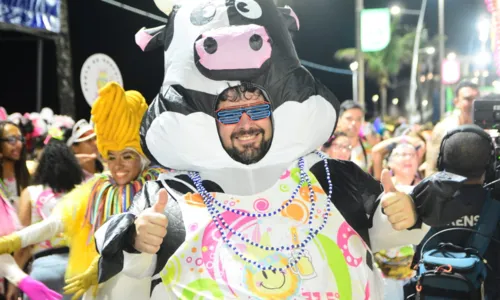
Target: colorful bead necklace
[[217, 216]]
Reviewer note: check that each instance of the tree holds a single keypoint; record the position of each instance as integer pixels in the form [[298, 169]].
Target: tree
[[64, 64], [384, 64]]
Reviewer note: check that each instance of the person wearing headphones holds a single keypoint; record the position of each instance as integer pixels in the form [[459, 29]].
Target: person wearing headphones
[[467, 151]]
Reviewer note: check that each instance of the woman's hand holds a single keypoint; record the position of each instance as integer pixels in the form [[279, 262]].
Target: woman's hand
[[79, 284], [36, 290]]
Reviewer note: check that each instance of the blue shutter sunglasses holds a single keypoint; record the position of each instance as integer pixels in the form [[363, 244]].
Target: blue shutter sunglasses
[[256, 112]]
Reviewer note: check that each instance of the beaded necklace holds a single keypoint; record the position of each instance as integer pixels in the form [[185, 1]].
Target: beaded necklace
[[4, 192], [217, 217], [10, 193]]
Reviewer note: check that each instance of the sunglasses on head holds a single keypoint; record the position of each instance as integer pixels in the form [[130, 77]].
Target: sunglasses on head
[[13, 139], [233, 115]]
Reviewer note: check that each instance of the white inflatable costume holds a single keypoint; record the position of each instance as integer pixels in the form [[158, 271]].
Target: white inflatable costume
[[293, 225]]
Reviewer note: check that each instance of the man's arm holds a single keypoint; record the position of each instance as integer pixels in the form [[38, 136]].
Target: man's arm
[[116, 237], [368, 187], [383, 236], [382, 233], [147, 232], [432, 203]]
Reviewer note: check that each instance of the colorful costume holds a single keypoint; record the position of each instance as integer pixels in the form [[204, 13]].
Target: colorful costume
[[294, 225], [9, 222], [9, 269], [116, 115], [50, 257]]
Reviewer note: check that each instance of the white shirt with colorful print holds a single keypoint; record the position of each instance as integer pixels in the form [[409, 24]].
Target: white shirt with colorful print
[[337, 264]]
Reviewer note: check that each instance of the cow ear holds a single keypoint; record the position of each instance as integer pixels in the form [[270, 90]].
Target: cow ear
[[150, 39], [291, 19], [3, 114]]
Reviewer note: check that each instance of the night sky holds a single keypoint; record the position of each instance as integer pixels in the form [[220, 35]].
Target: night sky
[[326, 26]]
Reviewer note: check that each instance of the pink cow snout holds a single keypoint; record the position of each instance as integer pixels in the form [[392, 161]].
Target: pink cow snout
[[234, 48]]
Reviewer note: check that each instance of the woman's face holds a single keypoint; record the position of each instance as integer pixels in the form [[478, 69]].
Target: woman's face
[[340, 148], [124, 165], [86, 147], [404, 160], [11, 143]]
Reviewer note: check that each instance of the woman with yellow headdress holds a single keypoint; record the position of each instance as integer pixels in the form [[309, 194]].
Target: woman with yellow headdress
[[117, 116]]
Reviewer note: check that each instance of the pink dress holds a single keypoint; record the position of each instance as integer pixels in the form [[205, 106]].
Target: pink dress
[[9, 222]]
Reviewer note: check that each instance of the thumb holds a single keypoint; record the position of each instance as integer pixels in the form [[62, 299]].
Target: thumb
[[386, 180], [161, 204]]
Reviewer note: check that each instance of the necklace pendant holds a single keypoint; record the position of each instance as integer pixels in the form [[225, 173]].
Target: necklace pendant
[[303, 266], [300, 260]]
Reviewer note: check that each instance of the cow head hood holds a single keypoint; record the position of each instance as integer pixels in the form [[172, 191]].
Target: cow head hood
[[211, 45]]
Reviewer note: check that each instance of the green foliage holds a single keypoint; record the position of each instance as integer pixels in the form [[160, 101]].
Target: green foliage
[[384, 64]]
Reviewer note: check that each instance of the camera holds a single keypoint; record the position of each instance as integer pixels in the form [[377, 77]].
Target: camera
[[486, 114]]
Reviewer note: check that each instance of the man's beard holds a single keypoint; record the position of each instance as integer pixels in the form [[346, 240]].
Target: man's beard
[[250, 154]]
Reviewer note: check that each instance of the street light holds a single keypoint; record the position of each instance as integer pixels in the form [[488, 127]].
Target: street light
[[442, 91], [375, 98], [395, 101], [427, 50], [451, 55], [411, 104], [360, 72], [430, 50], [425, 102], [395, 10], [354, 68], [483, 27]]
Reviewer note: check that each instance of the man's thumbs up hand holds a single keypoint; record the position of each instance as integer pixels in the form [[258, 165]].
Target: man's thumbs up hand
[[151, 226], [161, 204], [398, 207], [387, 183]]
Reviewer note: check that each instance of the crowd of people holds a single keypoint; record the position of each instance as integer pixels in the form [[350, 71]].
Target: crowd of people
[[97, 168], [252, 182]]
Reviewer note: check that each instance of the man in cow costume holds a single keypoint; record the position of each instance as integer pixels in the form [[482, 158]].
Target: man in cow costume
[[257, 214]]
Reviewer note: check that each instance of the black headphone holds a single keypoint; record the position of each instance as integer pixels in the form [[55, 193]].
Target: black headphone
[[473, 129]]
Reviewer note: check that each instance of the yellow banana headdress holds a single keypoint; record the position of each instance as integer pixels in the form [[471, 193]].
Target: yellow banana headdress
[[117, 116]]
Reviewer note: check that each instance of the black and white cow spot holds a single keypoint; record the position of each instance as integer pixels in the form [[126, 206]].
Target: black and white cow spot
[[248, 8]]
